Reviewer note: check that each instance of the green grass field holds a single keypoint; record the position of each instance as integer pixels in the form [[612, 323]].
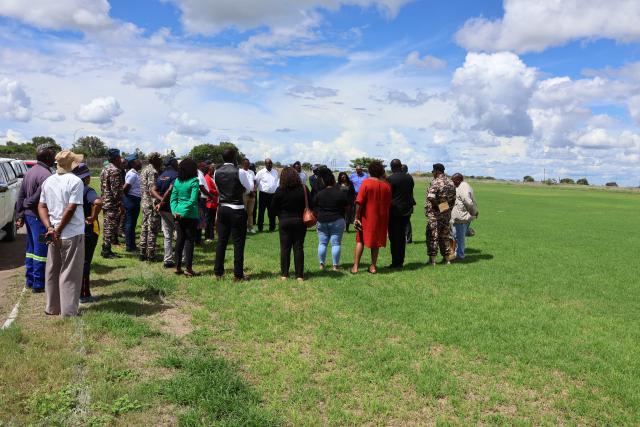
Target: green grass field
[[540, 325]]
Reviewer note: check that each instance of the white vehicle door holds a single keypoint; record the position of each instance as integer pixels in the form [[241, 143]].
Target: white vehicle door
[[5, 198]]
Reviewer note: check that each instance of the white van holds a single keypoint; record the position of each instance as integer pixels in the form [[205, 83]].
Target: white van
[[9, 191]]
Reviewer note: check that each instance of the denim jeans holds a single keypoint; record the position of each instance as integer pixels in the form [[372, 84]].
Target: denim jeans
[[330, 232], [460, 231]]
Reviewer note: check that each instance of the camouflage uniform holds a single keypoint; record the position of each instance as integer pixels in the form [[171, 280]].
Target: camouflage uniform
[[111, 188], [150, 218], [441, 190]]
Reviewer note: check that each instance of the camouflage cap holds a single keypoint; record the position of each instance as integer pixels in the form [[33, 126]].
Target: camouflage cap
[[46, 146]]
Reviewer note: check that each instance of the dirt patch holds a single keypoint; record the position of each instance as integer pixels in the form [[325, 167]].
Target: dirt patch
[[174, 321]]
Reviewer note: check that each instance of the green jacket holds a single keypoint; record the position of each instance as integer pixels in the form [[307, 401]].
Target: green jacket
[[184, 198]]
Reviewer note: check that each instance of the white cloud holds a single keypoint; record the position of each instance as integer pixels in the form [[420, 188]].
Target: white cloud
[[207, 17], [100, 111], [187, 126], [493, 91], [13, 136], [428, 62], [52, 116], [153, 75], [59, 14], [311, 92], [533, 26], [14, 102]]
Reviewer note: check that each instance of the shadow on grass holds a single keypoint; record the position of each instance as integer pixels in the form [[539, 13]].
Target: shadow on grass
[[98, 268], [103, 282], [133, 308]]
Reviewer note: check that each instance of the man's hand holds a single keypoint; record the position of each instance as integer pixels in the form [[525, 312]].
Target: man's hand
[[51, 235], [90, 220], [157, 207], [19, 222], [177, 217], [121, 210]]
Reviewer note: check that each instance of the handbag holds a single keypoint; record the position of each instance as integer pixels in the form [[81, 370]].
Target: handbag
[[308, 217]]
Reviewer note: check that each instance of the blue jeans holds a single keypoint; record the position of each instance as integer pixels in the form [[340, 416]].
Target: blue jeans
[[132, 211], [36, 256], [330, 232], [460, 231]]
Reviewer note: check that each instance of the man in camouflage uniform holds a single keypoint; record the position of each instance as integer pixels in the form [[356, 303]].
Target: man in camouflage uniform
[[111, 184], [150, 217], [441, 197]]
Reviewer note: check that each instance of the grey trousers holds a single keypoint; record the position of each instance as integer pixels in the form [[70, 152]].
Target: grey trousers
[[63, 276], [168, 228]]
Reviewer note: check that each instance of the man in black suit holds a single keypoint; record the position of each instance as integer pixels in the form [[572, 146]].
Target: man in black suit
[[400, 212], [232, 216]]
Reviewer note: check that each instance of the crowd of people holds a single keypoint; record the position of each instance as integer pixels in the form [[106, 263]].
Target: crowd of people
[[197, 203]]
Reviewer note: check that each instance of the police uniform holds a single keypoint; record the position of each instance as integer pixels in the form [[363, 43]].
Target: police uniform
[[111, 193], [442, 190], [150, 218]]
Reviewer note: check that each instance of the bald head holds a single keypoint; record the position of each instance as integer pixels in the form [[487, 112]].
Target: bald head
[[268, 164]]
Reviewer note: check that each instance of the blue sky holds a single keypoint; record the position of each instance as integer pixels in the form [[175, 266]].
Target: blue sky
[[502, 88]]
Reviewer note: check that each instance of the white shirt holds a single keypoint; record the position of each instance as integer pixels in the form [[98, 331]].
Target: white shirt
[[267, 181], [244, 180], [133, 179], [251, 177], [303, 178], [203, 182], [58, 191]]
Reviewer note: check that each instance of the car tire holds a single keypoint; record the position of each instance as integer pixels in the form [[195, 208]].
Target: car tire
[[11, 230]]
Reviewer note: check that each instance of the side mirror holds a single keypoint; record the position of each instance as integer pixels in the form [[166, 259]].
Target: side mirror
[[3, 188]]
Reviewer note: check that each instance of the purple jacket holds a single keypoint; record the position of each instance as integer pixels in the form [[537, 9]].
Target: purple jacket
[[29, 196]]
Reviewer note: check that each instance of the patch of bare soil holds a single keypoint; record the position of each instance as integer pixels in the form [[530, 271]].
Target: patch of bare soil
[[173, 321]]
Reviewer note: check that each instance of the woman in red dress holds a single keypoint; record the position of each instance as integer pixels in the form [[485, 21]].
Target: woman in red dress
[[372, 216]]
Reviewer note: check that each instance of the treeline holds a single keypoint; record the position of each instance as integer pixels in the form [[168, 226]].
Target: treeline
[[570, 181]]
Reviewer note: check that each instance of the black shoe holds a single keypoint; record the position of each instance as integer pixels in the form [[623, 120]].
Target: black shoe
[[169, 264], [134, 249], [394, 266], [143, 258], [37, 290], [108, 255]]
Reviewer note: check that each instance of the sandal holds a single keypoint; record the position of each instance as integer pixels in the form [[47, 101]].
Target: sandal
[[372, 270]]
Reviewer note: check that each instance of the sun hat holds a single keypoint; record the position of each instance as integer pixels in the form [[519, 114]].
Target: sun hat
[[67, 161]]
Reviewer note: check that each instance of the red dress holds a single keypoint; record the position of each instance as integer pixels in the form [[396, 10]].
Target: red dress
[[374, 199]]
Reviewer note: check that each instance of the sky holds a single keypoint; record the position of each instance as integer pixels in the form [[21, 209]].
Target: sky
[[501, 88]]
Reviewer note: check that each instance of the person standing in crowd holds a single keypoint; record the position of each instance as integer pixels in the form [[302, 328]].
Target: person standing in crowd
[[112, 207], [202, 201], [267, 182], [358, 177], [211, 205], [464, 210], [316, 181], [184, 207], [61, 212], [288, 205], [27, 213], [400, 212], [372, 216], [346, 186], [409, 230], [330, 208], [252, 168], [441, 197], [91, 205], [232, 216], [249, 195], [132, 200], [164, 184], [298, 167], [150, 217]]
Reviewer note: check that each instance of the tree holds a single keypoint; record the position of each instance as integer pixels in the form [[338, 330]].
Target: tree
[[567, 181], [582, 181], [364, 162], [212, 153], [528, 178], [14, 149], [90, 146], [39, 140], [306, 166], [611, 184]]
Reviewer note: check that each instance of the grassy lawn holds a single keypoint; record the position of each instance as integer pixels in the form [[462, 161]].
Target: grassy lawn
[[540, 325]]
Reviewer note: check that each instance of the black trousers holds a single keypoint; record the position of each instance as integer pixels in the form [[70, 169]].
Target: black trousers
[[292, 234], [398, 237], [231, 223], [264, 203], [210, 230], [186, 229], [409, 232], [90, 243]]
